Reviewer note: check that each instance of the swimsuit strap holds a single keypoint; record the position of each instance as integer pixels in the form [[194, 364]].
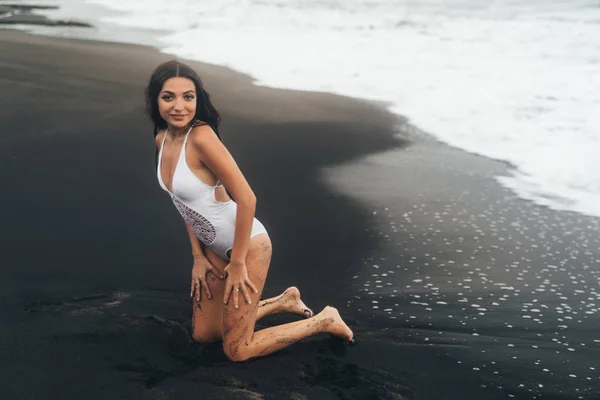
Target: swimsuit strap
[[164, 139], [188, 133], [160, 153]]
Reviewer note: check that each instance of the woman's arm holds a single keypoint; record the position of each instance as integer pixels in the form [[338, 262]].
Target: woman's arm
[[218, 159], [197, 246]]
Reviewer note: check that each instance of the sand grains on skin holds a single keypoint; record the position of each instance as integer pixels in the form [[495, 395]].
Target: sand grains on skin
[[294, 304], [336, 325]]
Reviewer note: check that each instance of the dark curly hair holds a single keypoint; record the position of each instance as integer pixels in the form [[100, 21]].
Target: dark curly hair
[[206, 113]]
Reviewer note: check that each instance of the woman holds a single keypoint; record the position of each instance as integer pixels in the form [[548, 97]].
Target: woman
[[231, 248]]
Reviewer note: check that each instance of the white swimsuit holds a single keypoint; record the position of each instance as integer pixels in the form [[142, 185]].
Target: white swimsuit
[[212, 221]]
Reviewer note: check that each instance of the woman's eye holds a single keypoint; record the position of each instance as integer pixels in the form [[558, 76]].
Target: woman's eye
[[166, 98], [189, 97]]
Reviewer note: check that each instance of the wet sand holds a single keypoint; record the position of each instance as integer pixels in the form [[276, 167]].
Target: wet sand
[[95, 270]]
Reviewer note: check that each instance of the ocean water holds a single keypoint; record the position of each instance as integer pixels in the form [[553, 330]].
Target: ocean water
[[517, 81]]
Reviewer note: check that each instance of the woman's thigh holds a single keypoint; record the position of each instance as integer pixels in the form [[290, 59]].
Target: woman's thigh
[[207, 315], [238, 325]]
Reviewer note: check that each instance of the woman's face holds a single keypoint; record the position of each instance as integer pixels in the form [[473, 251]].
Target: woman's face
[[177, 102]]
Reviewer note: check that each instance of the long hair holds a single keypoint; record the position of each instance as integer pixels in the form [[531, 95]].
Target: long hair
[[205, 111]]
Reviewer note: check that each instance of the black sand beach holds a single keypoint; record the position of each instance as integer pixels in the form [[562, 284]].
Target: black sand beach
[[433, 264]]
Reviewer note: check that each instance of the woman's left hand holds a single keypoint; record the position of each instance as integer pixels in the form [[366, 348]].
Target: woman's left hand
[[237, 279]]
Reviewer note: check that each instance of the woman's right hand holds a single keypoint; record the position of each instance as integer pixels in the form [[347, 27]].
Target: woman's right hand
[[201, 268]]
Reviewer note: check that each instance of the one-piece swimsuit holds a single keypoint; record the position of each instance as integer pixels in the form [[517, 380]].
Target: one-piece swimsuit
[[212, 221]]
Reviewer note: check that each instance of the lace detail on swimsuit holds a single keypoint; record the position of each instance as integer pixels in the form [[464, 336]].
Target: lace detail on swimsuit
[[203, 229]]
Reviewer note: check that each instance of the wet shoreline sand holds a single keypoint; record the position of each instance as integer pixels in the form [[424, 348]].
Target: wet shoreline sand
[[96, 261]]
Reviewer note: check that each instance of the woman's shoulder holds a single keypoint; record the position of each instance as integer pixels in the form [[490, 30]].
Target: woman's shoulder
[[198, 123], [201, 131], [204, 139]]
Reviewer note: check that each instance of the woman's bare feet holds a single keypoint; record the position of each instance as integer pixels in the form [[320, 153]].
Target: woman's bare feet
[[293, 303], [336, 325]]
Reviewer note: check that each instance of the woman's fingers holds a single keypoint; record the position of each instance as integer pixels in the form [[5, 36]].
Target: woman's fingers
[[198, 289], [195, 289], [246, 294], [236, 298], [215, 272], [228, 288], [207, 289], [233, 290], [249, 283]]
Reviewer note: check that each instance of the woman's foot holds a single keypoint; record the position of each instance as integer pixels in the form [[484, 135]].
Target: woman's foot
[[292, 303], [336, 325]]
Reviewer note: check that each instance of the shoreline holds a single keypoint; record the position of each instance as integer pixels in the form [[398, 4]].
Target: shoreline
[[523, 179]]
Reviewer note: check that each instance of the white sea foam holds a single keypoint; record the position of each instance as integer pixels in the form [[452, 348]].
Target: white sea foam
[[510, 80]]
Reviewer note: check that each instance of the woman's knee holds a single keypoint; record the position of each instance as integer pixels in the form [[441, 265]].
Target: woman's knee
[[235, 352], [205, 336], [203, 332]]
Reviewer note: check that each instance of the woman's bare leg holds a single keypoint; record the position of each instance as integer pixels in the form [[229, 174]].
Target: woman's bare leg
[[207, 315], [288, 301], [240, 342]]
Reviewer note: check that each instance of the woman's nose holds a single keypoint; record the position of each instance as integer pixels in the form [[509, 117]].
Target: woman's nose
[[178, 104]]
